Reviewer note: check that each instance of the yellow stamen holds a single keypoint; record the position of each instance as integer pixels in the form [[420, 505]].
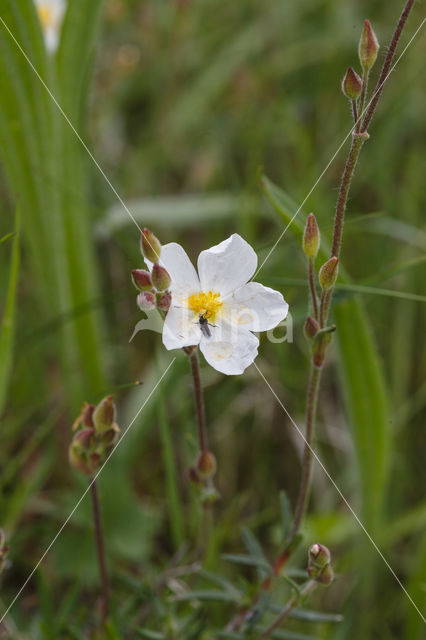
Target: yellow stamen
[[45, 15], [206, 304]]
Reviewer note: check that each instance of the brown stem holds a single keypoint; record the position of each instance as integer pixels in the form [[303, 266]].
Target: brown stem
[[387, 64], [100, 549], [342, 200], [311, 278], [198, 397], [287, 609], [305, 485]]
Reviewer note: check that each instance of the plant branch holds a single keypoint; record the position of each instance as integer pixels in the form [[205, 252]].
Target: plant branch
[[100, 549], [387, 64]]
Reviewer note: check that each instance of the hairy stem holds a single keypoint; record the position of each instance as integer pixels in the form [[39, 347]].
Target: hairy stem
[[305, 485], [198, 397], [387, 64], [100, 549], [342, 200]]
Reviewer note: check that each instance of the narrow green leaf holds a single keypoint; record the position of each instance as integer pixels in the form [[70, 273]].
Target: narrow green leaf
[[7, 329], [249, 561], [207, 594], [307, 615], [254, 548], [7, 237], [150, 634]]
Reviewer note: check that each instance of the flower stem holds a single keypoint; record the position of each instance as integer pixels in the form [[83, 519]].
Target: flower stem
[[311, 277], [198, 397], [100, 548], [310, 586], [358, 140], [305, 485]]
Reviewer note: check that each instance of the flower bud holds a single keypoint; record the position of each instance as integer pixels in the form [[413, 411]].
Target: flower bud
[[319, 567], [328, 273], [79, 450], [142, 279], [368, 46], [160, 277], [311, 237], [193, 476], [311, 328], [105, 414], [146, 301], [150, 246], [164, 301], [351, 84], [206, 464]]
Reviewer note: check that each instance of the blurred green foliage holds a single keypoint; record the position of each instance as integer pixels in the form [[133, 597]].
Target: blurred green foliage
[[181, 102]]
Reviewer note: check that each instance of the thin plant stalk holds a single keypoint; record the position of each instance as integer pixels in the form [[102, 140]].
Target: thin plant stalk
[[100, 549], [192, 353], [358, 139], [310, 586], [311, 277]]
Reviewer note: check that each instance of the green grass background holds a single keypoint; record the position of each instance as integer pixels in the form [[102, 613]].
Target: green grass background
[[182, 102]]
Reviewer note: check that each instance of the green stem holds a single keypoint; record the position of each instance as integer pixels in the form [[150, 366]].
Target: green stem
[[310, 586], [364, 85], [305, 485], [100, 549], [311, 277]]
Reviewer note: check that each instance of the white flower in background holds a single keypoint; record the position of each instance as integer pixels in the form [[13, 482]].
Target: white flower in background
[[218, 308], [51, 13]]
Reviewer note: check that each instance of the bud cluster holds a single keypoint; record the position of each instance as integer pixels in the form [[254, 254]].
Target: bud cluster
[[153, 285], [96, 433], [353, 87], [319, 564]]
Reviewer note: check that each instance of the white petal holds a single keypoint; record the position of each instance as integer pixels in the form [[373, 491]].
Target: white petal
[[230, 349], [180, 329], [255, 307], [227, 266], [184, 277]]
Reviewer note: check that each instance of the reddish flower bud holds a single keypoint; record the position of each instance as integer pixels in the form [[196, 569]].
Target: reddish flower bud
[[105, 414], [368, 46], [150, 246], [311, 327], [206, 464], [351, 84], [142, 279], [160, 277], [193, 476], [319, 567], [164, 301], [311, 237], [146, 301], [328, 273], [79, 450]]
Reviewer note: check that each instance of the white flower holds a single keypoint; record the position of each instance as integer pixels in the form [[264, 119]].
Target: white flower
[[51, 13], [218, 308]]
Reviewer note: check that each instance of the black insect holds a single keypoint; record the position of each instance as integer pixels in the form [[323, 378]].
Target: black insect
[[205, 325]]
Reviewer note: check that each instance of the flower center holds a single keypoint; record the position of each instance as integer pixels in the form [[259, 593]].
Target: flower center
[[205, 304], [46, 15]]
